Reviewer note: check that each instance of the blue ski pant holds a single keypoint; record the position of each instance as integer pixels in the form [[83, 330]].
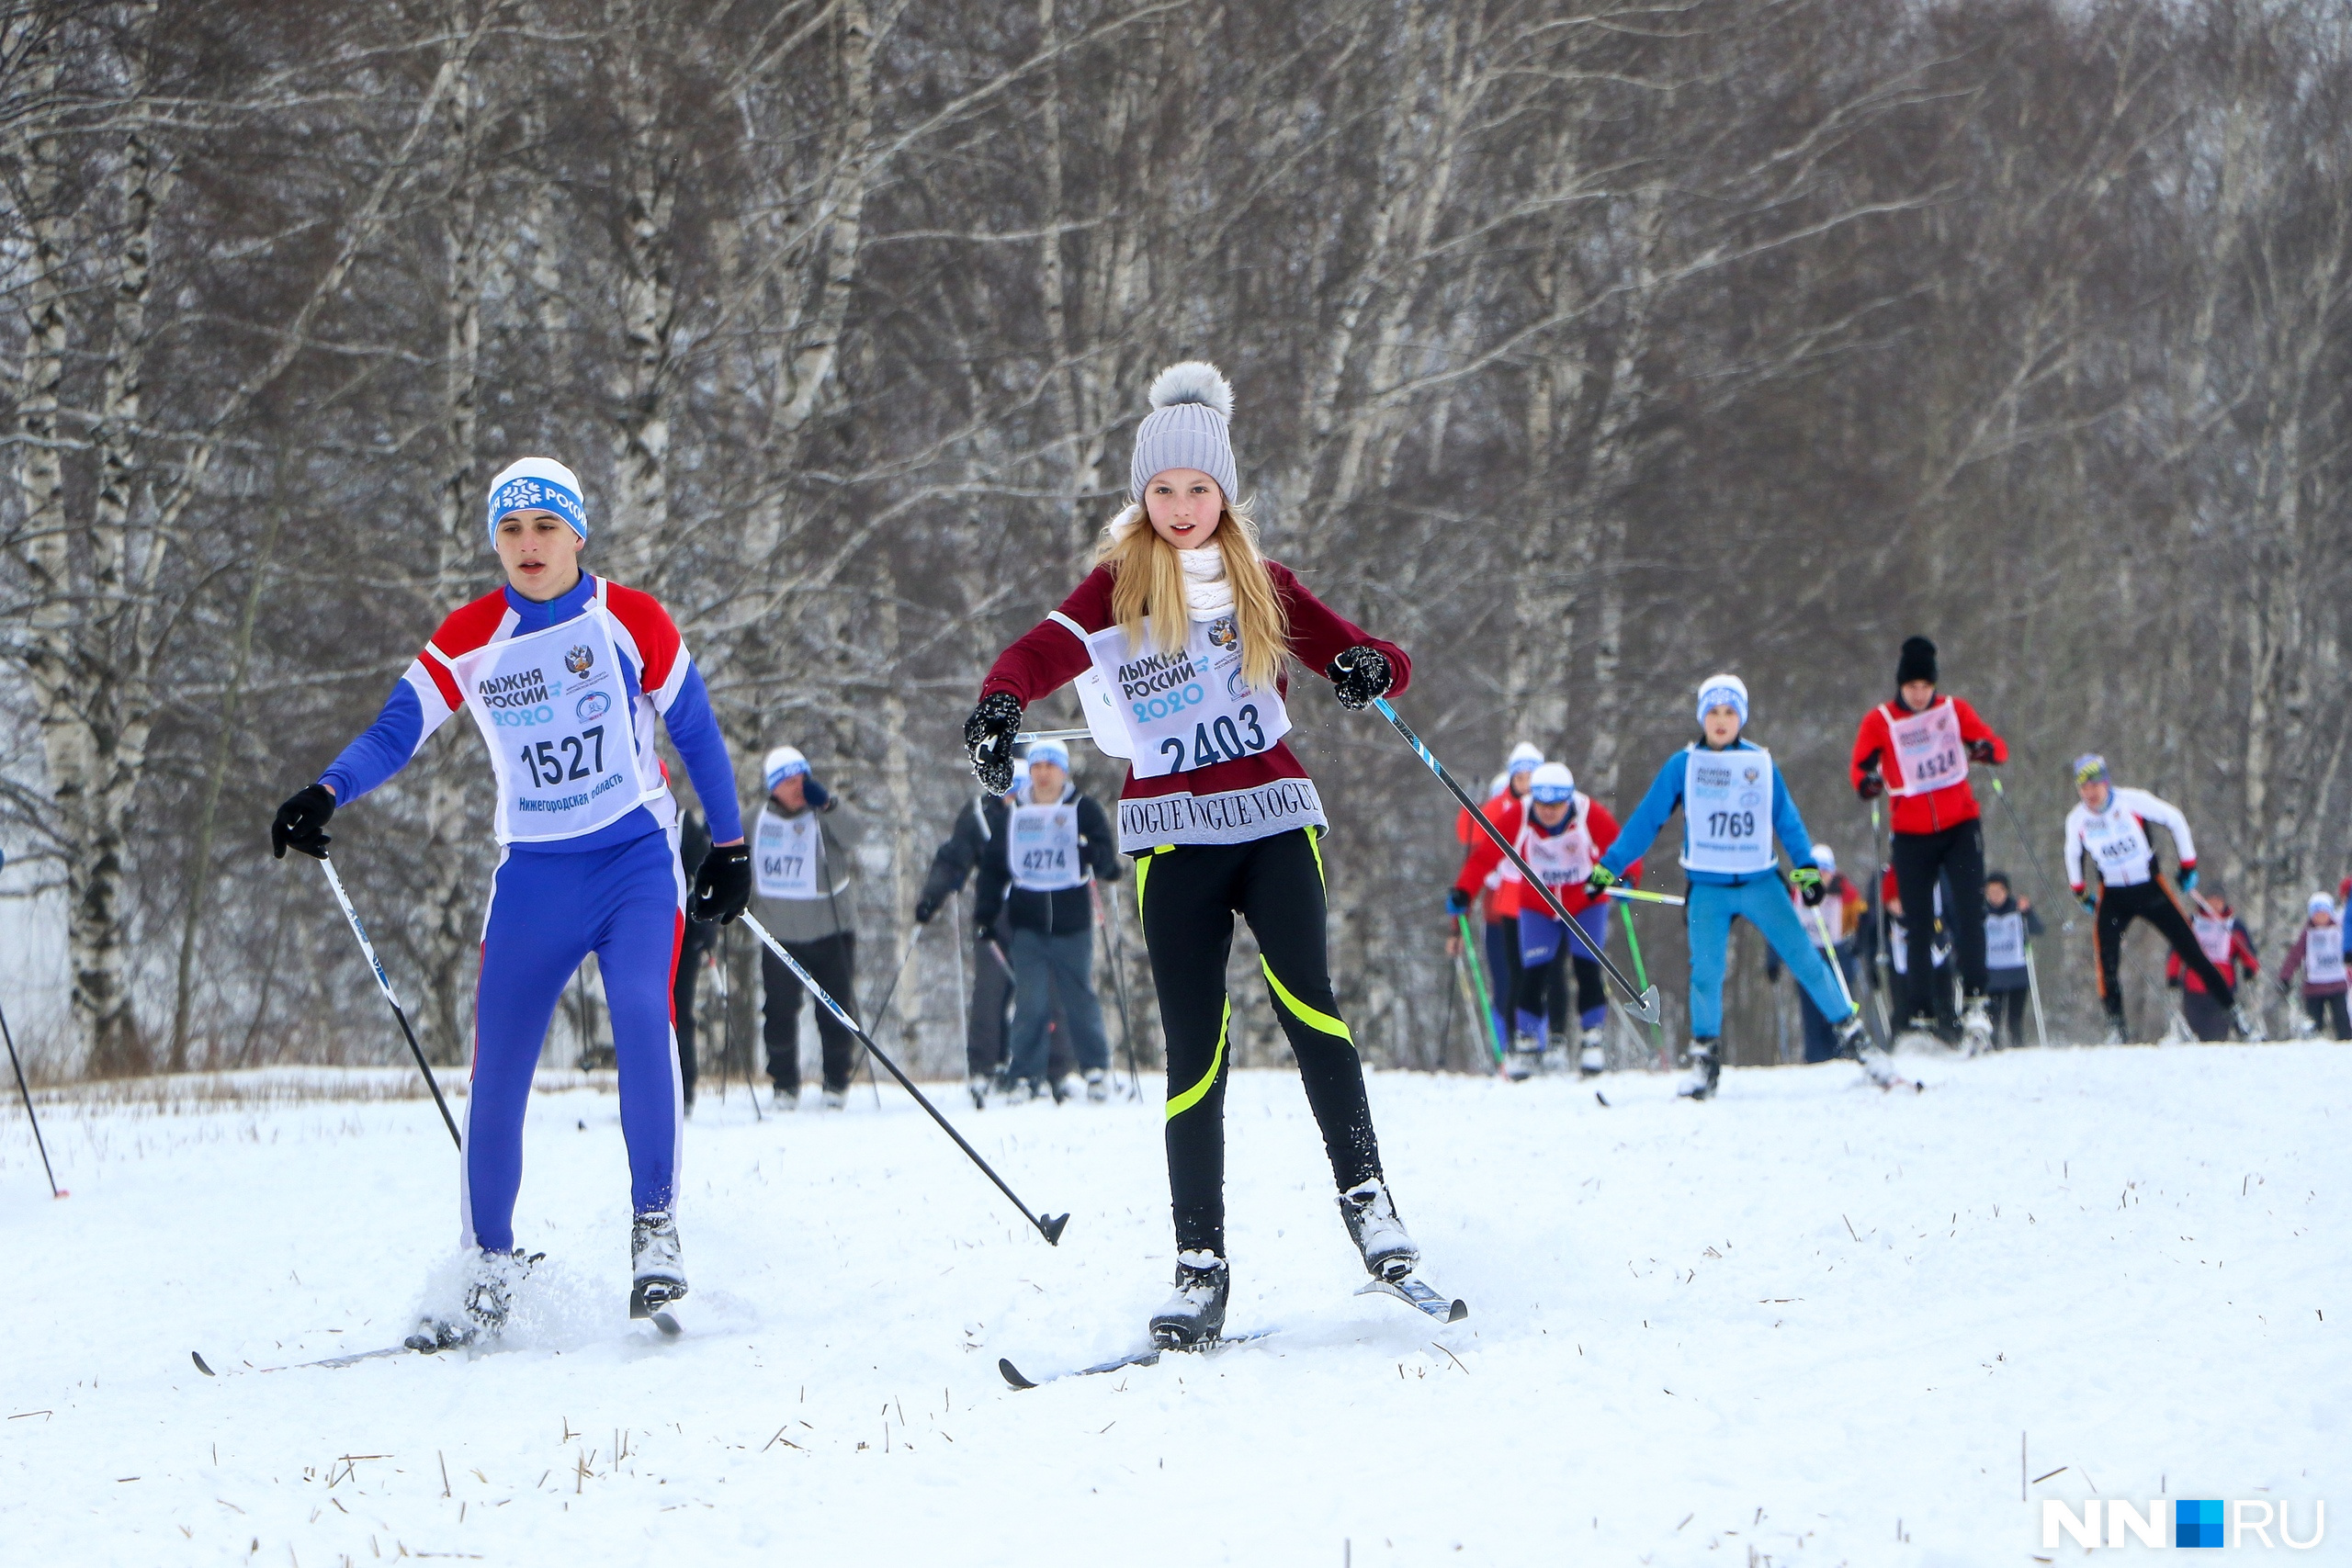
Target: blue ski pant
[[1547, 955], [1764, 903], [549, 911], [1046, 969]]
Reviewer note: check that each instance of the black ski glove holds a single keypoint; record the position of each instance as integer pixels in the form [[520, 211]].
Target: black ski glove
[[722, 885], [1980, 751], [988, 735], [1359, 675], [301, 823], [1809, 886], [1872, 786], [926, 906]]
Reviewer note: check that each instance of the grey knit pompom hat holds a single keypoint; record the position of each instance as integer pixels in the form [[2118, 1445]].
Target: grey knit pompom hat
[[1190, 426]]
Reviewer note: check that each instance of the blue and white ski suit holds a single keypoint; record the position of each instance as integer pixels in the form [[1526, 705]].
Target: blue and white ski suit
[[589, 863]]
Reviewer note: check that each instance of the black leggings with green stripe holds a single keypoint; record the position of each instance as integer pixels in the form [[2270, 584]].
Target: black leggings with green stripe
[[1189, 895]]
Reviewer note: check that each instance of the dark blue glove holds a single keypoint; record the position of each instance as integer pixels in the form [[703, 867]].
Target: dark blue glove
[[1456, 902], [2188, 878], [819, 797]]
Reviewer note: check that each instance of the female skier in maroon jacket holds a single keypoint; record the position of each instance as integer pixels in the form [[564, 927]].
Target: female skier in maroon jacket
[[1179, 638]]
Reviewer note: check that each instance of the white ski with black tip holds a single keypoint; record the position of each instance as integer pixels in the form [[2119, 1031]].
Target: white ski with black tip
[[1415, 1292], [1149, 1358]]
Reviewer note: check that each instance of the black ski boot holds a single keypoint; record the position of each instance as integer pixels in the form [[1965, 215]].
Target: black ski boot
[[1379, 1235], [1195, 1316], [1855, 1045], [490, 1301], [658, 1270], [1706, 1057]]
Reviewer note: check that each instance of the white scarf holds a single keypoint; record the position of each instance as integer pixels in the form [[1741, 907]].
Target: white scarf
[[1207, 594], [1206, 591]]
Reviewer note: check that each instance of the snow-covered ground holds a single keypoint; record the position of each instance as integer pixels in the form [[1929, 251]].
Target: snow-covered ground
[[1807, 1324]]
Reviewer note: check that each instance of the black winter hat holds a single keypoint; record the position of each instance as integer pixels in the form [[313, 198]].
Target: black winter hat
[[1917, 662]]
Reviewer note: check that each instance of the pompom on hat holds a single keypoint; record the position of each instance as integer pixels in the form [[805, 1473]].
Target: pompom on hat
[[541, 484], [1190, 426]]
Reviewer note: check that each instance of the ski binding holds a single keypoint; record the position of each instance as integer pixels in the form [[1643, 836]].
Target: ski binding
[[648, 1300]]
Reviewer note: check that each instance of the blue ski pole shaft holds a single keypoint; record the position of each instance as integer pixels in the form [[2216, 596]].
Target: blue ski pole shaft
[[1642, 1001], [1048, 1225]]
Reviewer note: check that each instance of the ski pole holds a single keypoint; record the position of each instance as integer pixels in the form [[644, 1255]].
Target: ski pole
[[2033, 981], [54, 1189], [1886, 938], [2009, 813], [384, 983], [1642, 1003], [1829, 951], [1643, 896], [1106, 913], [1031, 736], [890, 996], [1048, 1225], [1485, 999], [1633, 946], [1469, 999]]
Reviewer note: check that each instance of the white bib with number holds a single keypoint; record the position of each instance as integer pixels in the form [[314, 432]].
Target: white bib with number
[[1040, 842], [2119, 844], [2216, 937], [1727, 811], [785, 855], [2323, 955], [556, 711], [1562, 858], [2005, 941], [1190, 709], [1927, 749]]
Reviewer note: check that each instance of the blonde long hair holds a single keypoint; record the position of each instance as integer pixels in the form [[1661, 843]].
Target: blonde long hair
[[1145, 573]]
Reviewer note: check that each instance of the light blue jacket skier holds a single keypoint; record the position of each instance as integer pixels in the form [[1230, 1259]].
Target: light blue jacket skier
[[1736, 815]]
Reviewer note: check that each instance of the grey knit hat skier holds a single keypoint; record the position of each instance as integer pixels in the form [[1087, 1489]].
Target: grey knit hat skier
[[1190, 426]]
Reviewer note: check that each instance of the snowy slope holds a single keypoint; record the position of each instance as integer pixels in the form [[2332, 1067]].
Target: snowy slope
[[1761, 1330]]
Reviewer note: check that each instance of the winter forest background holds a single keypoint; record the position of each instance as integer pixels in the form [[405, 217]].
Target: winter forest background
[[1582, 348]]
